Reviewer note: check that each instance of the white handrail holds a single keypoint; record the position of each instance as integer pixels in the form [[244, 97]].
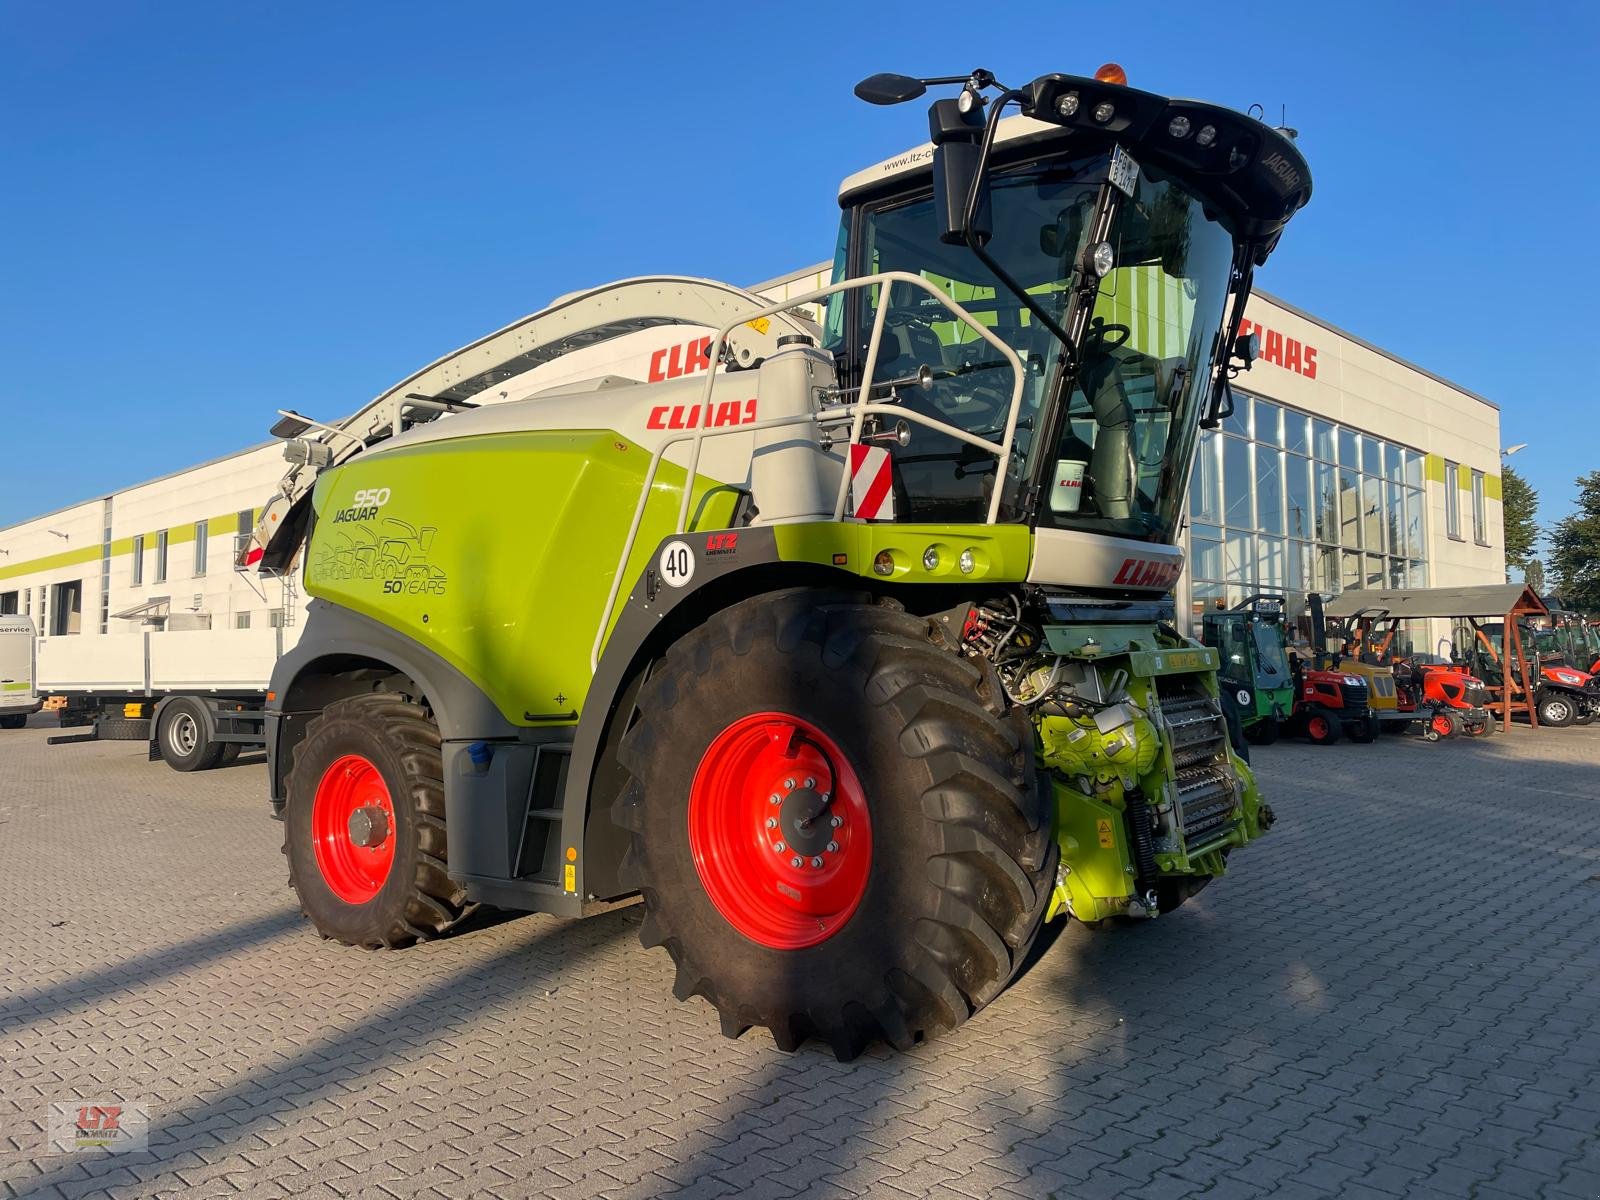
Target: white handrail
[[857, 412]]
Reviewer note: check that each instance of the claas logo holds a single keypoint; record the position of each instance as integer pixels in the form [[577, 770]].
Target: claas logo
[[1148, 573], [689, 416]]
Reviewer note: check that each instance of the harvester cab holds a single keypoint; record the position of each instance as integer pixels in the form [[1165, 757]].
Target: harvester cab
[[852, 653], [1249, 638]]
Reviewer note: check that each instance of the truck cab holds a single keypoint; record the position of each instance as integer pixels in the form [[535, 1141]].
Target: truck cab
[[18, 701]]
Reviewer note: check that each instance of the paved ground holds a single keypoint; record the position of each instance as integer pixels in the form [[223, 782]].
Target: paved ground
[[1394, 995]]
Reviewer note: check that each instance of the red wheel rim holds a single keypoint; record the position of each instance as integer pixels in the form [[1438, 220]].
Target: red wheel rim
[[1318, 728], [757, 783], [352, 788], [1441, 725]]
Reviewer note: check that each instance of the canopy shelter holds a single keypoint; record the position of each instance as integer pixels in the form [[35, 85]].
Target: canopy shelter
[[1507, 603]]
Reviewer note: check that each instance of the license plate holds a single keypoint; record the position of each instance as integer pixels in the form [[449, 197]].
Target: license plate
[[1124, 171]]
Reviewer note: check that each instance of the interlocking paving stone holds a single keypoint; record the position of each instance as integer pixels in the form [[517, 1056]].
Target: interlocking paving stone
[[1395, 994]]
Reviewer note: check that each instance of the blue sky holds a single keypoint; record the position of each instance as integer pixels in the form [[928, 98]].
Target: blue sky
[[213, 211]]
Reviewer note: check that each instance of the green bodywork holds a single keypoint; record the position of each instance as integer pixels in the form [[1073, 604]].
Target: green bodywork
[[416, 538], [1093, 773]]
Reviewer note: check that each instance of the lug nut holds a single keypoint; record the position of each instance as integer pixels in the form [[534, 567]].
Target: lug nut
[[835, 821], [779, 847], [789, 784], [817, 861], [774, 799], [797, 861], [810, 782], [772, 822], [833, 847]]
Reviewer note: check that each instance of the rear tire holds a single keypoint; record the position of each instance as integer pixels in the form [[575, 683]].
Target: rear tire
[[181, 737], [370, 752], [952, 864], [13, 721]]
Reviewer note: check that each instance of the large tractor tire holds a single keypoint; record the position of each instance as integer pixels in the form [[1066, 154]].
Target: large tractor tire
[[181, 737], [14, 721], [1556, 710], [838, 829], [364, 825]]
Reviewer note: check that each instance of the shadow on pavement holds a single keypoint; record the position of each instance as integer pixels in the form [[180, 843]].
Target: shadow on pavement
[[399, 1030], [59, 999]]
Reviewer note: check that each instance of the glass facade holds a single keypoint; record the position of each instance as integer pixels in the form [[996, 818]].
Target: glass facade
[[1288, 503]]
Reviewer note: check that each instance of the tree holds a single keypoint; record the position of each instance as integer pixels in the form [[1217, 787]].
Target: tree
[[1575, 549], [1520, 512], [1534, 576]]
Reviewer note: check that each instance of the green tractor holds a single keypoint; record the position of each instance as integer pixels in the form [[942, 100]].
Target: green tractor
[[846, 649], [1249, 638]]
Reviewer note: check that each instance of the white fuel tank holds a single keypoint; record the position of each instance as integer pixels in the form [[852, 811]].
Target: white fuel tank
[[792, 477]]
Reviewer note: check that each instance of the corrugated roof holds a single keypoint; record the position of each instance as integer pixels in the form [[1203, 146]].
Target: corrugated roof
[[1482, 600]]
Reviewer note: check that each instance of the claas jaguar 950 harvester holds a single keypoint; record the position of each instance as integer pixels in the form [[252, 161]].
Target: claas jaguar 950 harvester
[[852, 654]]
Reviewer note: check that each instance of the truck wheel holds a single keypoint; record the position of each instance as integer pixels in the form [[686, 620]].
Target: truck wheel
[[1556, 710], [13, 721], [837, 829], [1322, 729], [364, 825], [181, 737]]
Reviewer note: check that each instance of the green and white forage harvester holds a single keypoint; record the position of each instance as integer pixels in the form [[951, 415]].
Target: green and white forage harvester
[[850, 653]]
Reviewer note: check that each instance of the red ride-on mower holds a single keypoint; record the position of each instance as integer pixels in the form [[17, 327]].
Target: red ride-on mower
[[1446, 699]]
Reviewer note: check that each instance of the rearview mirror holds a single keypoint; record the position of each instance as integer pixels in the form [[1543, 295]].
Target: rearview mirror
[[889, 89]]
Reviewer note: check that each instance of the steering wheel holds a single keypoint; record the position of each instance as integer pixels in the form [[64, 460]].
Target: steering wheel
[[1102, 336]]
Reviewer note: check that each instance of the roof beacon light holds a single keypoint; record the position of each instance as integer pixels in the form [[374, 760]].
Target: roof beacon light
[[1112, 73]]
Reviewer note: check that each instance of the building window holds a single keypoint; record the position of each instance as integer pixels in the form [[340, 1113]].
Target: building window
[[138, 561], [1480, 516], [8, 604], [275, 618], [202, 530], [161, 557], [246, 524], [241, 620], [1452, 501], [1348, 515], [66, 608]]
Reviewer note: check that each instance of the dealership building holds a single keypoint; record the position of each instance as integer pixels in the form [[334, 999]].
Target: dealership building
[[1342, 466]]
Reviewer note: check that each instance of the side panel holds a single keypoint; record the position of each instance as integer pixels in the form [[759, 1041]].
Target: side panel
[[496, 554]]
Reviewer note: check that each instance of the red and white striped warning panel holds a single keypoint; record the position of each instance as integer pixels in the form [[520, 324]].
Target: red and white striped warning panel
[[871, 496]]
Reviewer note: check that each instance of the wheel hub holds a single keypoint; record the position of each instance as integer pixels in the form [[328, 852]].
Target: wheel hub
[[369, 826], [352, 823], [779, 831]]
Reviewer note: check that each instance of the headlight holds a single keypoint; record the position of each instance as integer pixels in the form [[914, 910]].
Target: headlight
[[1352, 680]]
